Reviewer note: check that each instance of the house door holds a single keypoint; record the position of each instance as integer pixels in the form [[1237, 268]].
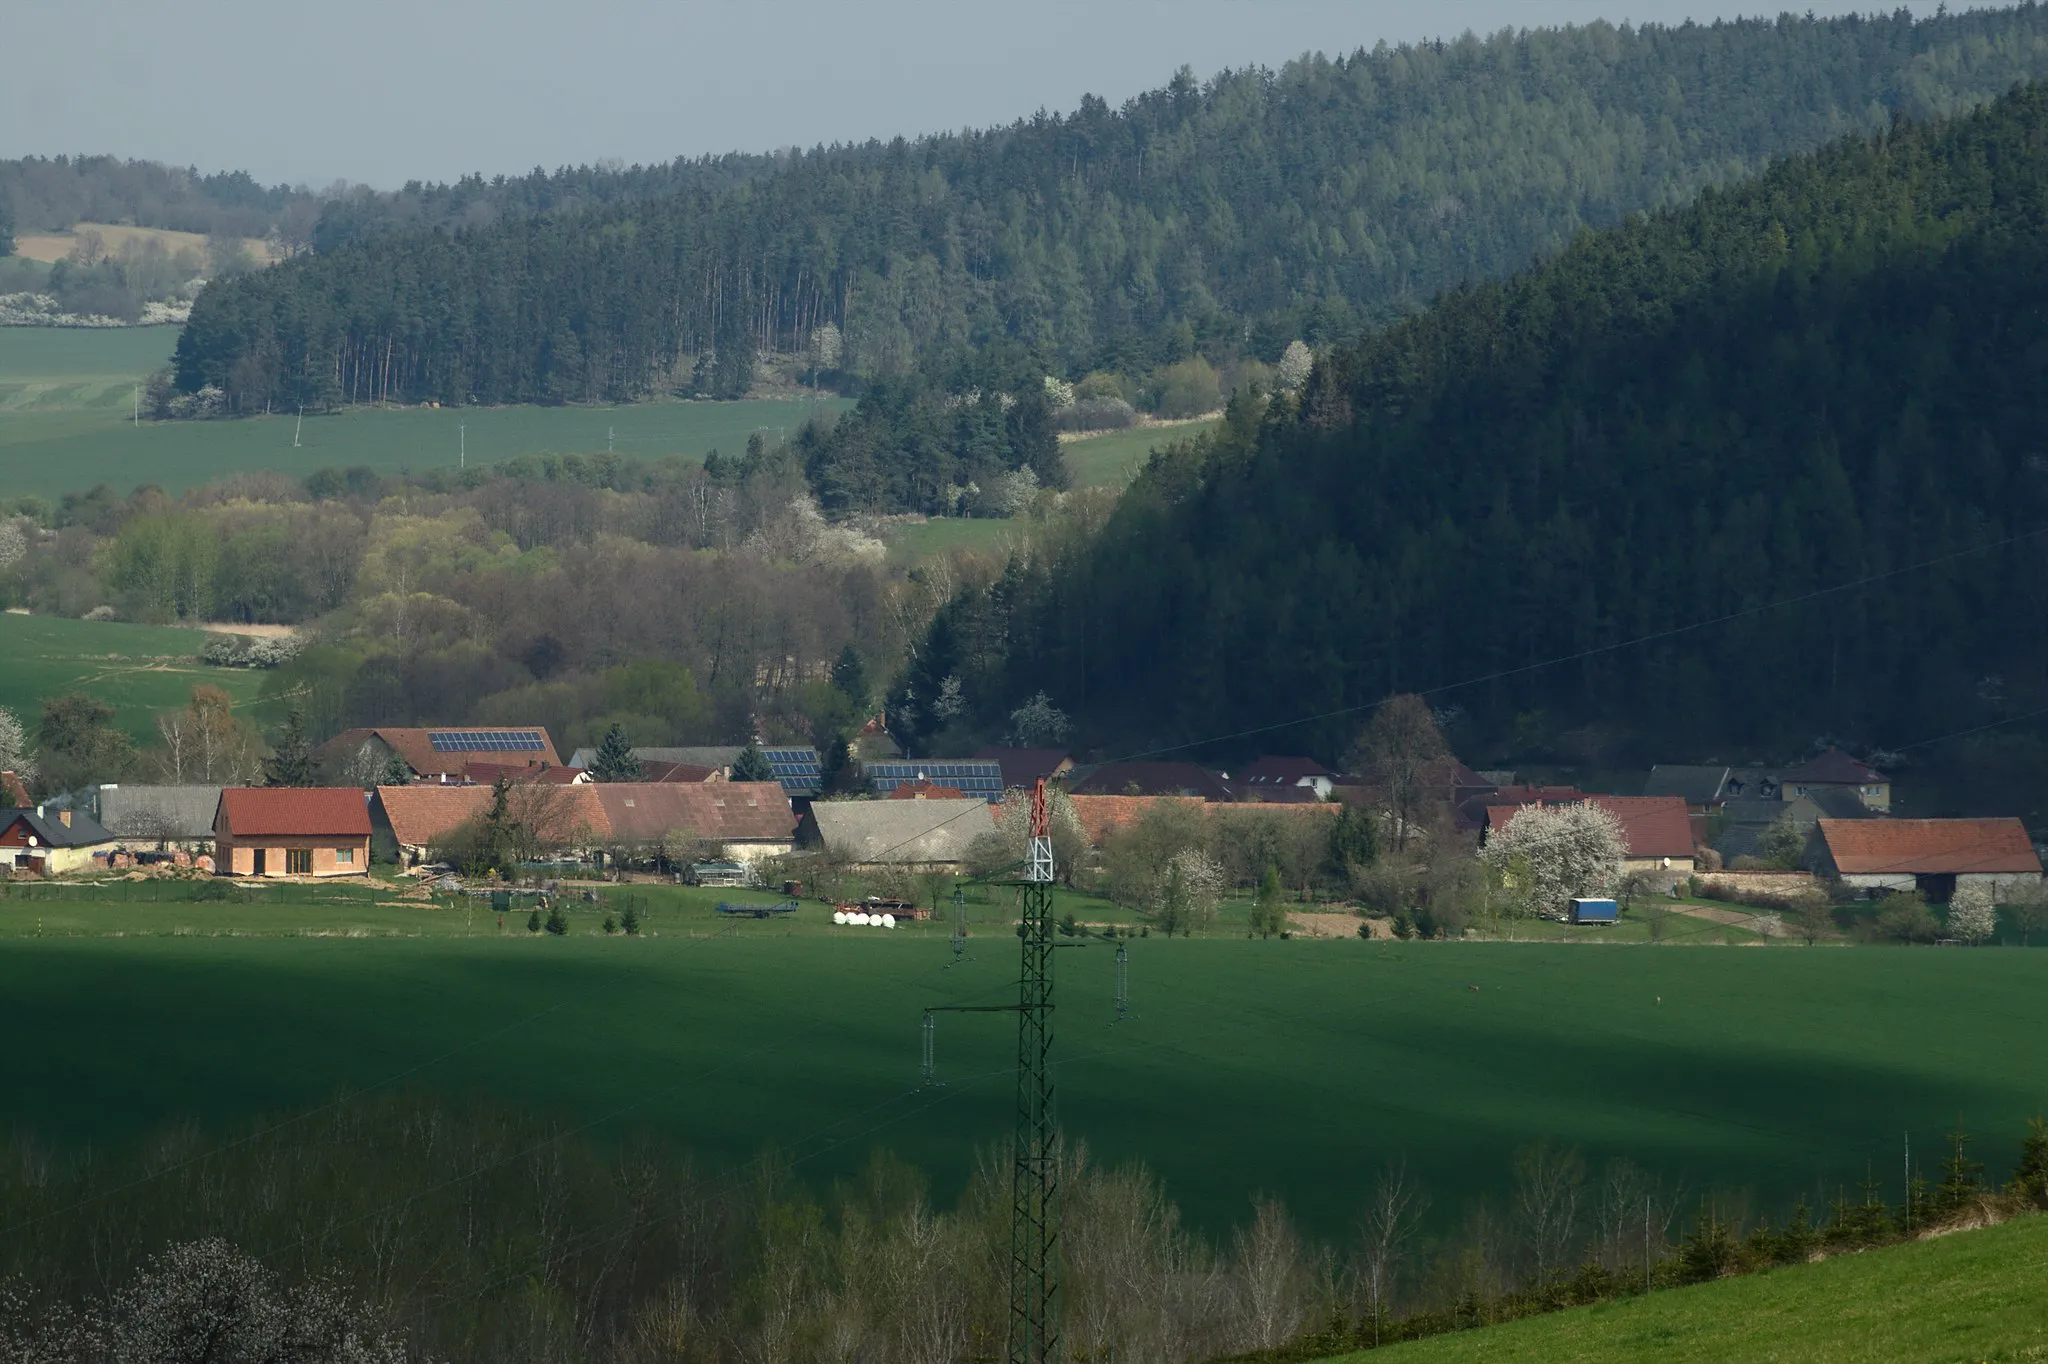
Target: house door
[[261, 863]]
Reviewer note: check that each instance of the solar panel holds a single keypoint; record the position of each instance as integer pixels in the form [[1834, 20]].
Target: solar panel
[[800, 770], [485, 740], [984, 779]]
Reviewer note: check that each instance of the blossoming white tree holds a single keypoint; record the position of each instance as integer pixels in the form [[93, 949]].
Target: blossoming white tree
[[1549, 854], [1189, 888], [1295, 364], [14, 754], [1972, 916]]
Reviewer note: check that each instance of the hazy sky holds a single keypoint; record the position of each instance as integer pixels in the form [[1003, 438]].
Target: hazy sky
[[388, 90]]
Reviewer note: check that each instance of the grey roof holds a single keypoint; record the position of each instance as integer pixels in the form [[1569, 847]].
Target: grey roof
[[717, 756], [1693, 785], [82, 832], [176, 812], [900, 830], [1743, 823]]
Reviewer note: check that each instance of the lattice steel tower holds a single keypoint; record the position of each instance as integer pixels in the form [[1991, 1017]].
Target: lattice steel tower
[[1035, 1211]]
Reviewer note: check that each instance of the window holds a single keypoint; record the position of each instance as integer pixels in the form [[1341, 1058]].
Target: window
[[344, 857], [298, 861]]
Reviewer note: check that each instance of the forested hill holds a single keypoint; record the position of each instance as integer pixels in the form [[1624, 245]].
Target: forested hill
[[1835, 374], [1214, 218]]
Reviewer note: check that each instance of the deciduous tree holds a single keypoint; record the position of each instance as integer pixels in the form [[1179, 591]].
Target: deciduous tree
[[1401, 752]]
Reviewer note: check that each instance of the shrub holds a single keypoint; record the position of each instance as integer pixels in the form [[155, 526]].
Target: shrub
[[533, 922], [611, 925], [1904, 917], [555, 923]]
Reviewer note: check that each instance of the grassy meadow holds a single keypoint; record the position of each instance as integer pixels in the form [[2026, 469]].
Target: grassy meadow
[[1971, 1296], [1295, 1068], [66, 397], [137, 669]]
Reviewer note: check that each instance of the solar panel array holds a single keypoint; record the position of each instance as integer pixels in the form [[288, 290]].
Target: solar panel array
[[486, 740], [798, 769], [984, 779]]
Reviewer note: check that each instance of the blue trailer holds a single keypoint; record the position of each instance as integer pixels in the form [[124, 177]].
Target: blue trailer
[[1595, 912]]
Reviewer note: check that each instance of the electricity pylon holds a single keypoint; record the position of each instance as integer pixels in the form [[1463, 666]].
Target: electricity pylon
[[1034, 1182]]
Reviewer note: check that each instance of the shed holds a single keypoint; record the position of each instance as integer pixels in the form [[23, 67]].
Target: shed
[[1934, 856], [144, 817], [932, 835]]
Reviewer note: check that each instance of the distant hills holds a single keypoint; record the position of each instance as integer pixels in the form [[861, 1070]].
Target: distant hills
[[1223, 219], [1767, 467]]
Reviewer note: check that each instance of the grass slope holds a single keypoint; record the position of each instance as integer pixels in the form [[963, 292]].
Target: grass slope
[[137, 669], [66, 398], [1973, 1296], [1290, 1067]]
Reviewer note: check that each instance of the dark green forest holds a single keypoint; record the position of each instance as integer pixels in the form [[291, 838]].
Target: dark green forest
[[1217, 219], [1625, 460]]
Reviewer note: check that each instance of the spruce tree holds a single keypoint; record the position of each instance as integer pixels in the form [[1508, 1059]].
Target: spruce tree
[[629, 920], [615, 760], [850, 676], [752, 764], [2030, 1180], [556, 923], [396, 773], [291, 762], [1962, 1179], [1269, 910]]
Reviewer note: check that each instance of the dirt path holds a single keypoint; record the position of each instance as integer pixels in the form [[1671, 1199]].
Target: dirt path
[[1756, 921]]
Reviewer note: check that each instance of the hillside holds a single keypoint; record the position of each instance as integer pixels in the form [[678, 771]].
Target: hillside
[[1830, 376], [1970, 1296], [1218, 218]]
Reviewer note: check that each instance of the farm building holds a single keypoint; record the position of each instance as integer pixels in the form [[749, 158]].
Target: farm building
[[1703, 789], [1934, 856], [1835, 770], [923, 835], [292, 831], [46, 842], [436, 755], [750, 820], [160, 817], [488, 774], [969, 777]]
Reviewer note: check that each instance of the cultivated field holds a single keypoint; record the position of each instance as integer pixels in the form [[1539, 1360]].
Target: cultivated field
[[1291, 1067], [137, 669], [55, 246], [1971, 1296]]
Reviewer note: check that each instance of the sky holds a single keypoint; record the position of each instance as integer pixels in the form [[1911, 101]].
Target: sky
[[385, 91]]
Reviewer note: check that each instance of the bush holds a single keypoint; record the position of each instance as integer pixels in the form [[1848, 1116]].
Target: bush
[[555, 923], [244, 651], [533, 922], [611, 925], [1188, 389], [1903, 916], [1097, 414]]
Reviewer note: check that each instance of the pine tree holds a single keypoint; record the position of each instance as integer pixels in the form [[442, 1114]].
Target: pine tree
[[1269, 910], [396, 773], [752, 764], [2030, 1180], [556, 923], [291, 762], [1962, 1179], [850, 676], [629, 920], [533, 922], [615, 760]]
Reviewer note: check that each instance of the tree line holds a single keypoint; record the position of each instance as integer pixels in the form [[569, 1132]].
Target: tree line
[[546, 1245], [1216, 218], [1734, 475]]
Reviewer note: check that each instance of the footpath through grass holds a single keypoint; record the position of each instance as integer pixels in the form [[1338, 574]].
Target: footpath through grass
[[1296, 1068], [137, 669], [1972, 1296]]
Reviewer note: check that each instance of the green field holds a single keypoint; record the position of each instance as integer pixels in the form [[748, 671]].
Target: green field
[[66, 397], [1115, 458], [137, 669], [1968, 1297], [1290, 1067]]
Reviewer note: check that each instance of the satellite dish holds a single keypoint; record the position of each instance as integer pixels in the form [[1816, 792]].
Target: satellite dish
[[888, 921], [838, 916]]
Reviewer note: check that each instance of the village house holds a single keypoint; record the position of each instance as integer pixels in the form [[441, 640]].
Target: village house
[[46, 842], [1656, 831], [1933, 856], [292, 831], [1150, 779], [1024, 768], [970, 776], [1272, 773], [1835, 770], [437, 754], [159, 818], [1703, 789], [718, 758]]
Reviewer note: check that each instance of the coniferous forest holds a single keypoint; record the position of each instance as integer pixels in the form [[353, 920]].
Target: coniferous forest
[[1201, 218], [1761, 468]]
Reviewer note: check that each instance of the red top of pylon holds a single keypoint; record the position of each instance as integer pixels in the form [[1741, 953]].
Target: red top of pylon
[[1041, 818]]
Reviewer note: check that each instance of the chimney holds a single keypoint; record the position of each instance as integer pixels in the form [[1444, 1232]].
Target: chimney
[[64, 818]]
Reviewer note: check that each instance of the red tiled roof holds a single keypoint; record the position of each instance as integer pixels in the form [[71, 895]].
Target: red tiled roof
[[486, 774], [924, 790], [1101, 816], [293, 812], [419, 753], [641, 812], [651, 770], [1834, 768], [1651, 826], [1869, 847], [420, 815]]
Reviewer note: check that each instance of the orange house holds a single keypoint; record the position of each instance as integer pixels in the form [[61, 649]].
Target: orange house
[[292, 831]]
